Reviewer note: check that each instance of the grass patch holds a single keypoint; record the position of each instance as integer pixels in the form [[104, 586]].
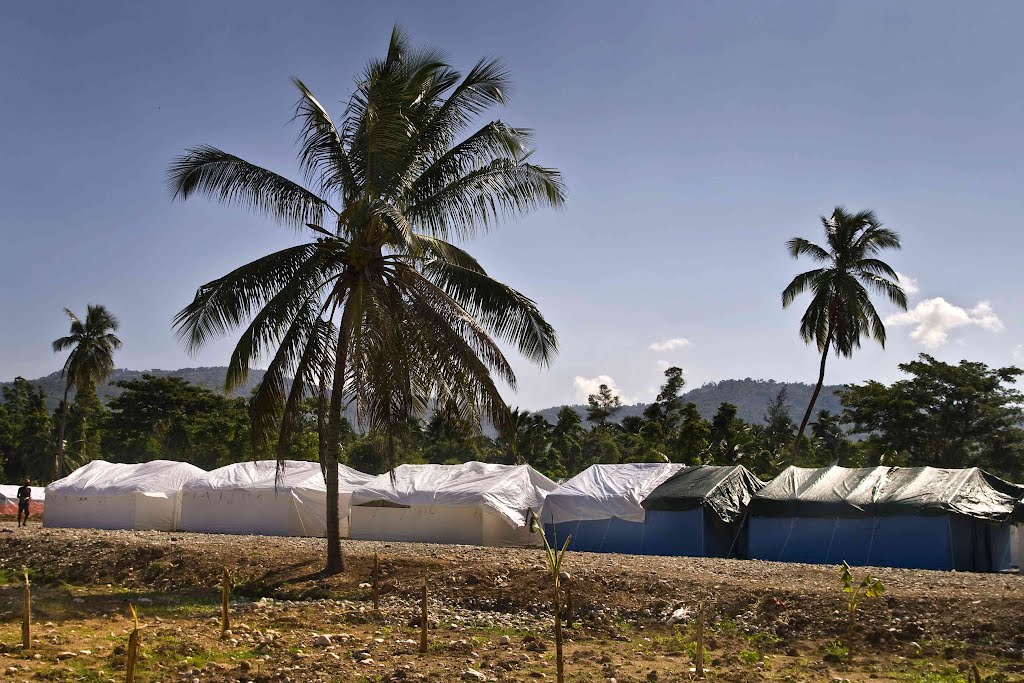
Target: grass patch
[[750, 657], [944, 675], [837, 650]]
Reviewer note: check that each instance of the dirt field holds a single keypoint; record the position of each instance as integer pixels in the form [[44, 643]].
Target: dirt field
[[633, 618]]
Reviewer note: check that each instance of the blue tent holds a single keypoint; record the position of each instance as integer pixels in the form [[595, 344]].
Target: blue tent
[[701, 511], [921, 518], [651, 509], [601, 508]]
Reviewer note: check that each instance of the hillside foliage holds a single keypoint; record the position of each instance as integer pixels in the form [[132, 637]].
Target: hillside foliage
[[941, 414]]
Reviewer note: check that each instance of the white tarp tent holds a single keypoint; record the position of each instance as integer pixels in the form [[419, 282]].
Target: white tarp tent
[[106, 495], [474, 504], [9, 499], [250, 498], [606, 492]]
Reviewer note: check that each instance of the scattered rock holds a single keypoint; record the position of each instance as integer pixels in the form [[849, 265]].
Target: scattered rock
[[473, 675], [322, 640]]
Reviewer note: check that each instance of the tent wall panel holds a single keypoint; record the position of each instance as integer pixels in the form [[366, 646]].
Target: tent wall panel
[[675, 533], [130, 511], [611, 535], [690, 533], [239, 512], [1016, 541], [419, 524], [941, 542], [254, 498]]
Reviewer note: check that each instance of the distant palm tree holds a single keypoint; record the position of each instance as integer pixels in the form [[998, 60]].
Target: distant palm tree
[[841, 311], [91, 361], [379, 307]]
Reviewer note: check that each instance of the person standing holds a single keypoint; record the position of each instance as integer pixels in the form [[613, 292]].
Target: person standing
[[24, 499]]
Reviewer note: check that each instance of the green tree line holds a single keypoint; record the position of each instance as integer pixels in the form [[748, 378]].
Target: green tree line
[[941, 414]]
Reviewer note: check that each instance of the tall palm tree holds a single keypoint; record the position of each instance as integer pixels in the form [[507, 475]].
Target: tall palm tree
[[841, 311], [378, 306], [92, 343]]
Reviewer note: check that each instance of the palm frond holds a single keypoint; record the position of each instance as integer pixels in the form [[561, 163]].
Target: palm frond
[[223, 304], [800, 284], [505, 312], [499, 189], [209, 171], [798, 246]]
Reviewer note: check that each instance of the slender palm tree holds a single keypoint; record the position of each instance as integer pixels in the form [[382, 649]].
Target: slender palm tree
[[92, 343], [378, 306], [841, 311]]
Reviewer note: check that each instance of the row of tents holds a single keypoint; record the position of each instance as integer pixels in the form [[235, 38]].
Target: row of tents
[[923, 517]]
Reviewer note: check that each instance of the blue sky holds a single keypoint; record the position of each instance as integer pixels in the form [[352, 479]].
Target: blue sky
[[695, 139]]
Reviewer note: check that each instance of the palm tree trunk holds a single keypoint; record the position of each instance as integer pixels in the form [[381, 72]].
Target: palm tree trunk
[[814, 396], [58, 464], [335, 556], [321, 420]]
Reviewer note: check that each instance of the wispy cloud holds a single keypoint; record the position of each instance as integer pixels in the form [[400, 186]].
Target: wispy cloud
[[933, 319], [909, 284], [669, 344], [585, 386]]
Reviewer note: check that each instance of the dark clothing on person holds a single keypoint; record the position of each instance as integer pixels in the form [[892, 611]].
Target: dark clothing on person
[[24, 498]]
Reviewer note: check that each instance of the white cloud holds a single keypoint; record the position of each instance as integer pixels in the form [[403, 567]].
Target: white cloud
[[1018, 353], [585, 386], [909, 284], [669, 344], [663, 365], [934, 318]]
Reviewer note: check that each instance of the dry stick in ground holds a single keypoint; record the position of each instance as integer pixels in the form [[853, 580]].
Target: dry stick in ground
[[423, 618], [376, 582], [26, 618], [133, 648], [225, 598], [698, 664]]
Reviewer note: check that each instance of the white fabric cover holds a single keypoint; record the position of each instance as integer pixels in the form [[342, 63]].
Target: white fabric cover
[[473, 503], [9, 492], [106, 495], [605, 492], [9, 499], [248, 498]]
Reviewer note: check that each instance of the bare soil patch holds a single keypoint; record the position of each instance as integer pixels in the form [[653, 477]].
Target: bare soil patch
[[766, 621]]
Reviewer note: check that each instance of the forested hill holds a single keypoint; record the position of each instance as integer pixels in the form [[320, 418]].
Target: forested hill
[[750, 396], [211, 378]]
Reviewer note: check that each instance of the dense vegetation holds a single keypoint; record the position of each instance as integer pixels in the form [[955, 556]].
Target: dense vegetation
[[942, 415]]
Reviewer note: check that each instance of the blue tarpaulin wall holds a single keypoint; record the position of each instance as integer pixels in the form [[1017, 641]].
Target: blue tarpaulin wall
[[686, 532], [915, 542]]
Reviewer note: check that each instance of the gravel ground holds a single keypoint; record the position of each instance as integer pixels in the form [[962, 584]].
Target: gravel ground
[[792, 599]]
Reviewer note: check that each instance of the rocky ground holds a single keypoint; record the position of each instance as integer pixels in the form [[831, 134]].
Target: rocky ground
[[632, 618]]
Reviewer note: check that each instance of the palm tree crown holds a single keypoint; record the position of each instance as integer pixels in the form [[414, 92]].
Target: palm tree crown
[[379, 306], [92, 343], [841, 311]]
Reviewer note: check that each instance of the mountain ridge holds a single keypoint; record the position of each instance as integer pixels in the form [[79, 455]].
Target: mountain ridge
[[750, 396]]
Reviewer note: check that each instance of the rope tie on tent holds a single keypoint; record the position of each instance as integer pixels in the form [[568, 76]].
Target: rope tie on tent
[[871, 541], [835, 525], [785, 544], [739, 530], [605, 536], [702, 530], [949, 531]]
